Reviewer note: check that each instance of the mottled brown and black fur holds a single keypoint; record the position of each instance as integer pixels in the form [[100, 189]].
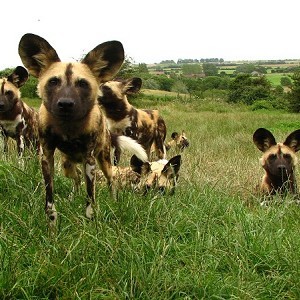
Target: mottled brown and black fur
[[17, 120], [70, 118], [143, 125], [278, 161]]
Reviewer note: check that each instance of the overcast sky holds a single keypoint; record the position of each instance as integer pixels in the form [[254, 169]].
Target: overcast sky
[[156, 30]]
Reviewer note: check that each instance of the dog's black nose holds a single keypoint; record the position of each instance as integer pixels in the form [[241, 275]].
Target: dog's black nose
[[65, 103]]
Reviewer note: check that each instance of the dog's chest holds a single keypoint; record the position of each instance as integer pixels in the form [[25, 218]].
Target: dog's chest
[[75, 147], [12, 127]]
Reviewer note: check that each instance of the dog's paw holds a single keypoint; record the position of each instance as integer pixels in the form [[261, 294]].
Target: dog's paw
[[89, 213]]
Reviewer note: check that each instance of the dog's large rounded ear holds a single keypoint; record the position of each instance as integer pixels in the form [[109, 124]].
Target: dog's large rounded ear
[[174, 135], [172, 168], [133, 85], [105, 60], [36, 53], [293, 140], [18, 77], [263, 139], [136, 164]]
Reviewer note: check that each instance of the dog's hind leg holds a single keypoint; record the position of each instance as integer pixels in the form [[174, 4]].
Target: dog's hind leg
[[105, 165], [159, 139], [160, 148], [71, 171]]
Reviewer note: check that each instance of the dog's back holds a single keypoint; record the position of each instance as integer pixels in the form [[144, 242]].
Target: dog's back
[[143, 125]]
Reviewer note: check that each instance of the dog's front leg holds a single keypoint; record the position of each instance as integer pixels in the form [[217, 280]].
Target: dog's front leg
[[20, 145], [48, 173], [89, 172]]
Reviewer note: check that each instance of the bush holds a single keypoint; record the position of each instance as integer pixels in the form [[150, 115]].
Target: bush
[[262, 104]]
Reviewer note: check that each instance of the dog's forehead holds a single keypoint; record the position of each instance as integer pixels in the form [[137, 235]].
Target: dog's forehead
[[115, 87], [74, 70], [278, 149], [6, 85]]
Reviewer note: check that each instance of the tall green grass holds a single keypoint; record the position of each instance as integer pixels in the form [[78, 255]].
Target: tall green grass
[[211, 240]]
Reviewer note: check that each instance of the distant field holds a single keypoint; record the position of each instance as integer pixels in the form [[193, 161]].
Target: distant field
[[275, 78]]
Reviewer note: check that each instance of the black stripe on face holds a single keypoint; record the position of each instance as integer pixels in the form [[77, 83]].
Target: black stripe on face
[[69, 73], [2, 86]]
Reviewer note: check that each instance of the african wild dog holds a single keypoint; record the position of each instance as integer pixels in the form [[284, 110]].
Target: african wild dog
[[70, 118], [178, 142], [17, 120], [278, 161], [145, 126], [161, 175]]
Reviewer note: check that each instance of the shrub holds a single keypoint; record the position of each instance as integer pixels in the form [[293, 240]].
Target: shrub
[[262, 104]]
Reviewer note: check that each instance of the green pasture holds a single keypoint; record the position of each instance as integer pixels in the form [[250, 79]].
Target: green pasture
[[211, 240], [275, 78]]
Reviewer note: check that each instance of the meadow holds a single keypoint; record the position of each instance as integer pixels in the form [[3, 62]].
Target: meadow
[[211, 240]]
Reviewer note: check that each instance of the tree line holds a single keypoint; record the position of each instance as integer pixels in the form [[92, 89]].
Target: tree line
[[240, 88]]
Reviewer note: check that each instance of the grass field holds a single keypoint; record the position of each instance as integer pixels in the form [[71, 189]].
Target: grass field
[[211, 240]]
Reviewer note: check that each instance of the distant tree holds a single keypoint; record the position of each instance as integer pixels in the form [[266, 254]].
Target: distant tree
[[165, 83], [210, 69], [179, 87], [193, 85], [189, 69], [167, 62], [187, 61], [286, 81], [127, 70], [246, 90], [294, 94], [261, 69], [29, 89], [245, 68], [249, 68], [142, 68]]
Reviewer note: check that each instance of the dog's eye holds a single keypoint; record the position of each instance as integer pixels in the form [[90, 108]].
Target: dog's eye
[[9, 93], [272, 156], [287, 156], [53, 81], [82, 83]]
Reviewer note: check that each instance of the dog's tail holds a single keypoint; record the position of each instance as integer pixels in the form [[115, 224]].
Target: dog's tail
[[123, 142]]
